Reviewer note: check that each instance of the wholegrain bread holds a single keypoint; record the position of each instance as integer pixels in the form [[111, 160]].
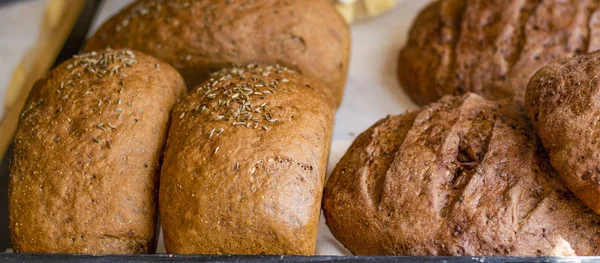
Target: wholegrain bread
[[492, 47], [87, 152], [203, 36], [245, 163], [563, 103], [462, 177]]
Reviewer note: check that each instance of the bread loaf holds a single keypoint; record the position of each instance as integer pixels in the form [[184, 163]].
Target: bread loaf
[[245, 163], [492, 47], [462, 177], [563, 102], [203, 36], [87, 152]]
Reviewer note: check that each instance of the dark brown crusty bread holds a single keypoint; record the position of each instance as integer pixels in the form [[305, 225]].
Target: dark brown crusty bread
[[245, 163], [464, 176], [203, 36], [87, 152], [492, 47], [563, 103]]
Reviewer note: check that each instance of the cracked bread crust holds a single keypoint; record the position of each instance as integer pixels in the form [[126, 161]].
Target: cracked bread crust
[[87, 152], [562, 103], [462, 177], [201, 37], [492, 47], [245, 163]]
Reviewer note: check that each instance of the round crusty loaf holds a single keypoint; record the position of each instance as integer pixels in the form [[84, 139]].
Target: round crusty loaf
[[245, 163], [464, 176], [84, 174], [492, 47], [203, 36], [563, 102]]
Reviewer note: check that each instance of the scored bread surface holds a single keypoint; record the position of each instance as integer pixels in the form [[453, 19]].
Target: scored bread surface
[[492, 47], [462, 177], [87, 152], [245, 163]]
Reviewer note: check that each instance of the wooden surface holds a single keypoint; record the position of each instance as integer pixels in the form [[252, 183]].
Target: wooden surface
[[58, 21], [372, 91], [75, 36]]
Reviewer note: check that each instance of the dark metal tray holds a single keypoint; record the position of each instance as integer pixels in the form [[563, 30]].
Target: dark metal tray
[[10, 257], [71, 47]]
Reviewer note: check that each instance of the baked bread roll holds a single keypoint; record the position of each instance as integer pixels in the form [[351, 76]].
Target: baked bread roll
[[203, 36], [87, 152], [463, 177], [245, 163], [492, 47], [563, 102]]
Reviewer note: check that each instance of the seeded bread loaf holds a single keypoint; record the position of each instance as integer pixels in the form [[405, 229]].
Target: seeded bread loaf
[[563, 102], [245, 163], [462, 177], [492, 47], [199, 37], [87, 152]]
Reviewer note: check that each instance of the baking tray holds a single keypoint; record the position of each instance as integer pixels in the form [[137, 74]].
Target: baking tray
[[241, 258], [71, 47]]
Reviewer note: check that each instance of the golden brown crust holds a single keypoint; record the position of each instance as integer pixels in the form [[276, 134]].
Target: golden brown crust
[[492, 47], [464, 176], [201, 37], [87, 154], [245, 163], [563, 105]]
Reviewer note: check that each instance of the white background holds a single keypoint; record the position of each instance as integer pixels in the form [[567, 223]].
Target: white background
[[372, 91]]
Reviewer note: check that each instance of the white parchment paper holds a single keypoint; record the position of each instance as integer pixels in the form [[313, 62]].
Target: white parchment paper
[[19, 28], [372, 91]]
